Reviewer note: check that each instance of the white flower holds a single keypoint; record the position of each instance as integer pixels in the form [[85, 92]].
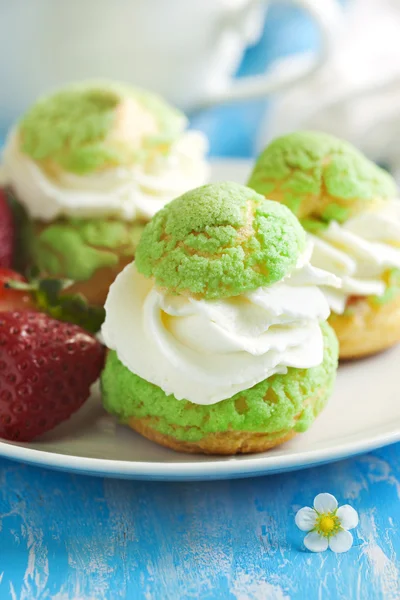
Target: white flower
[[327, 524]]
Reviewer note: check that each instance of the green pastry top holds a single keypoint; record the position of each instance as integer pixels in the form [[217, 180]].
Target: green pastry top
[[77, 248], [220, 240], [84, 127], [320, 178], [276, 405]]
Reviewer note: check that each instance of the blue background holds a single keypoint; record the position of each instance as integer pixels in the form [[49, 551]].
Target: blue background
[[232, 130], [69, 537]]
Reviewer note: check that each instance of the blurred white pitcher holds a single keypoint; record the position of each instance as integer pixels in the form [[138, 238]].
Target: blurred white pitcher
[[187, 50]]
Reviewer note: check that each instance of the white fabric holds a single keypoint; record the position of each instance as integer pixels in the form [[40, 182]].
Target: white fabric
[[357, 93]]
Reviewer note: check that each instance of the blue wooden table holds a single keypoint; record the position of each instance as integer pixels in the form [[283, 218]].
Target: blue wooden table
[[68, 537], [73, 537]]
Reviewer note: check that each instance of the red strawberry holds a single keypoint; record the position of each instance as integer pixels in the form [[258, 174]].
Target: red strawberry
[[46, 370], [6, 232], [13, 299]]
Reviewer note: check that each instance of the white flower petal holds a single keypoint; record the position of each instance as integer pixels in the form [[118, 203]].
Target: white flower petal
[[315, 542], [348, 516], [305, 518], [325, 503], [341, 542]]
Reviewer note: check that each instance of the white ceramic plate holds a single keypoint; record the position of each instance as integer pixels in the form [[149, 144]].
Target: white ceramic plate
[[363, 414]]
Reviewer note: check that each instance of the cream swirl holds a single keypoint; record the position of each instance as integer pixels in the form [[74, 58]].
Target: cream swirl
[[208, 350], [138, 191], [359, 252]]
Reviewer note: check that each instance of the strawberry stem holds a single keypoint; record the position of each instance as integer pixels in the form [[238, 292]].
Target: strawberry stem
[[49, 298]]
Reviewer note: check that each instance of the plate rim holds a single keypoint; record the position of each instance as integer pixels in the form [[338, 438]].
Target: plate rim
[[255, 465]]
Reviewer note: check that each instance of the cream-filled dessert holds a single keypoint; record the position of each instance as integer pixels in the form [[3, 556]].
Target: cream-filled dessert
[[350, 209], [93, 154], [217, 331]]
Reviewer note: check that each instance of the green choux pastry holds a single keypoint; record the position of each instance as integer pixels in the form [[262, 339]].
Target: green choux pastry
[[91, 163], [208, 339], [348, 206], [320, 178]]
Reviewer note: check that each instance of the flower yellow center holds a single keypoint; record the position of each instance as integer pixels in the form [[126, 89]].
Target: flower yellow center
[[327, 524]]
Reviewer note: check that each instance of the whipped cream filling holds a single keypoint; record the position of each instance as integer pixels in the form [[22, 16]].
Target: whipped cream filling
[[359, 252], [135, 192], [208, 350]]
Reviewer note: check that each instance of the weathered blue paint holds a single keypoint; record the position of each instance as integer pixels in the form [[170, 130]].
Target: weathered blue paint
[[78, 538]]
